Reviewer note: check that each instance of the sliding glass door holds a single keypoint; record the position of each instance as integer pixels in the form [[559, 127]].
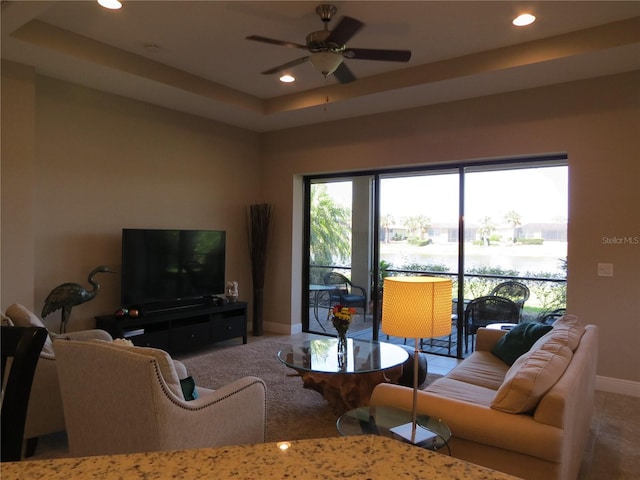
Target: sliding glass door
[[340, 232], [419, 213], [479, 225], [516, 236]]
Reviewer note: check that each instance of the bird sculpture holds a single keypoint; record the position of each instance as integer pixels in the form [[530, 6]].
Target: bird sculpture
[[68, 295]]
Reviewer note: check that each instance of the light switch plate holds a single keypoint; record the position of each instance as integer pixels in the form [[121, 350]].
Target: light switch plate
[[605, 269]]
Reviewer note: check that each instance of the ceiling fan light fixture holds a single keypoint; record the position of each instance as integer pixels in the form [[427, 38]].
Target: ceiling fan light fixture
[[287, 78], [326, 62]]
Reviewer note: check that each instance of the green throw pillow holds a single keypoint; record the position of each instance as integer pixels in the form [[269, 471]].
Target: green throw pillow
[[189, 388], [519, 340]]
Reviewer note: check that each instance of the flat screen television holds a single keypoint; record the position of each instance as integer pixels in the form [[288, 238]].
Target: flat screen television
[[171, 268]]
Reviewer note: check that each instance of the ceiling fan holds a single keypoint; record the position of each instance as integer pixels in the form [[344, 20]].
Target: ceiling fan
[[328, 47]]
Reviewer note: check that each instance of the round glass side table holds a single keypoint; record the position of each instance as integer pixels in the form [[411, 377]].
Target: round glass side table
[[383, 421]]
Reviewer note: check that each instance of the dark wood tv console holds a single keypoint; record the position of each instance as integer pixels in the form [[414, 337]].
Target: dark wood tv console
[[182, 329]]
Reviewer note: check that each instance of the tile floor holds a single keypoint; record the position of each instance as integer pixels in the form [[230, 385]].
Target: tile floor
[[613, 449]]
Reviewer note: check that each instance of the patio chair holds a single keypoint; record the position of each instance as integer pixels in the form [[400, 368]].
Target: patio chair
[[343, 293], [482, 311], [549, 318], [517, 292]]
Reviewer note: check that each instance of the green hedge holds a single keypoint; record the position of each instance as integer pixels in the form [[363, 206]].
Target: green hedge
[[531, 241]]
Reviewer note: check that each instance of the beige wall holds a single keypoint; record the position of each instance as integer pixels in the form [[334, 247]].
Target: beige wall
[[95, 163], [103, 163], [595, 122], [17, 167]]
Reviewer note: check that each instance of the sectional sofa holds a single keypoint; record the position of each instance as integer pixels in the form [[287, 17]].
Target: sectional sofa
[[531, 419]]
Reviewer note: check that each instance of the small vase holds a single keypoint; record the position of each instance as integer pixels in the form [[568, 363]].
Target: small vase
[[342, 349]]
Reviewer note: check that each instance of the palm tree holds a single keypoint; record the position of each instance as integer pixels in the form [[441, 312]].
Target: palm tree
[[424, 223], [330, 239], [386, 222], [486, 229], [412, 225], [513, 218]]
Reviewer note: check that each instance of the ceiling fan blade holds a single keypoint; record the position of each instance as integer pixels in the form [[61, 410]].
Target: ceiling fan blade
[[377, 54], [346, 29], [286, 66], [343, 74], [273, 41]]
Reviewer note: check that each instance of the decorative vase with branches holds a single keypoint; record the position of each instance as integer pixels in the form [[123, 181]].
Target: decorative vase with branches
[[258, 230]]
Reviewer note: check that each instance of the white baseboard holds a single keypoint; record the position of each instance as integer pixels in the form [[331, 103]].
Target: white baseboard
[[618, 385], [282, 329]]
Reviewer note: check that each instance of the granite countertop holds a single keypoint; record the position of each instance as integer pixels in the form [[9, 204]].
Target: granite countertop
[[357, 457]]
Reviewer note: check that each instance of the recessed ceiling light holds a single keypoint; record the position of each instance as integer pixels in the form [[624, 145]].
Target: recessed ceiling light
[[110, 4], [524, 20], [287, 78]]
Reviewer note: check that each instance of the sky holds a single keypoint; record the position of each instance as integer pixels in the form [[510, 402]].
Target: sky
[[536, 194]]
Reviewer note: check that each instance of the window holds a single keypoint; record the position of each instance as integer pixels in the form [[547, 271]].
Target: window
[[367, 226]]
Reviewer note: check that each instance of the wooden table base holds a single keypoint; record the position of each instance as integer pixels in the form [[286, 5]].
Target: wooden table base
[[346, 391]]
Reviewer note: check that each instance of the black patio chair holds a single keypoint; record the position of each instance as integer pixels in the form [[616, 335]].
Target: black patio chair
[[549, 318], [517, 292], [343, 293], [482, 311], [23, 346]]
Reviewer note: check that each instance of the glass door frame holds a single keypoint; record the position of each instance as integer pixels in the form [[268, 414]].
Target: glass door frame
[[559, 159]]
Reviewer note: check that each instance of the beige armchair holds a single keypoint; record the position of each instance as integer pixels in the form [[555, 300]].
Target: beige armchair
[[120, 399], [44, 413]]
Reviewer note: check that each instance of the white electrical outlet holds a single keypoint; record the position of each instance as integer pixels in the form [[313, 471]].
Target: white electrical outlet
[[605, 269]]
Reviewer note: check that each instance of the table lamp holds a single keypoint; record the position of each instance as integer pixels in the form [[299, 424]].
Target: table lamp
[[416, 307]]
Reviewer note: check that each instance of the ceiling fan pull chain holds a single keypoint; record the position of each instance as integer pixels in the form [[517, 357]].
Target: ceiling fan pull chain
[[326, 99]]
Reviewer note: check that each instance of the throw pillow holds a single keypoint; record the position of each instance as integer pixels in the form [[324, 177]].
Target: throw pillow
[[23, 317], [519, 341], [568, 329], [188, 386], [532, 375], [6, 321]]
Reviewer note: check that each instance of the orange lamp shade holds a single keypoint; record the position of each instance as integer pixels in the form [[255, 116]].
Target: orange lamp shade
[[416, 307]]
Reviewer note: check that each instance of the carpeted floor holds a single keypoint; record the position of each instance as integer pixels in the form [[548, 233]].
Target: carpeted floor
[[293, 412]]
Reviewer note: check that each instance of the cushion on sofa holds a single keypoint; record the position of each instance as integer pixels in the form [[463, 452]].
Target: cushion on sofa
[[532, 375], [519, 341], [480, 368], [568, 329], [167, 368], [462, 391], [23, 317]]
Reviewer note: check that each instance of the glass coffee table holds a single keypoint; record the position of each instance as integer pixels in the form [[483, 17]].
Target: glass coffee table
[[349, 384], [380, 420]]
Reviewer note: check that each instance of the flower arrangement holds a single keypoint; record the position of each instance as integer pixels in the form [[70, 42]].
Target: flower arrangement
[[342, 317]]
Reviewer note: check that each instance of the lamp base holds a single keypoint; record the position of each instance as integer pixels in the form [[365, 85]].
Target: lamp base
[[422, 434]]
